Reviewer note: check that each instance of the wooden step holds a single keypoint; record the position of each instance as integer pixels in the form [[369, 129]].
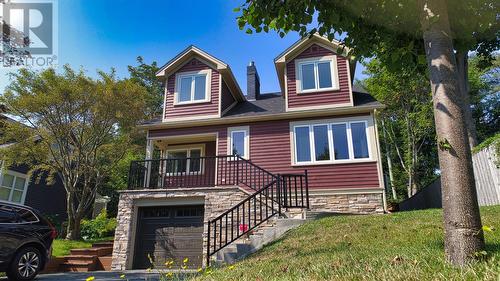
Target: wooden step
[[103, 244], [80, 266], [104, 263], [82, 258], [98, 252]]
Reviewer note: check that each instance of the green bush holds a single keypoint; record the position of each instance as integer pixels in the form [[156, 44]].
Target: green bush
[[100, 227]]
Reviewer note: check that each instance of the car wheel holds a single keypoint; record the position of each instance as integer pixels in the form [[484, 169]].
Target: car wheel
[[26, 264]]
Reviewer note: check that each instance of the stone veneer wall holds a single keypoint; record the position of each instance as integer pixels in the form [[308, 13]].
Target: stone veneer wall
[[366, 203], [216, 201]]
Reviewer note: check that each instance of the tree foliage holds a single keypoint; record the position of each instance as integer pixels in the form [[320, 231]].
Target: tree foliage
[[484, 84], [408, 134], [71, 126], [145, 75]]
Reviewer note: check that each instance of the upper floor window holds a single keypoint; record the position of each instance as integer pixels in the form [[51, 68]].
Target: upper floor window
[[319, 74], [331, 142], [13, 187], [192, 87], [239, 141]]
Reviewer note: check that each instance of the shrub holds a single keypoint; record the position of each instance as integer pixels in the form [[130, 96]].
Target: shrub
[[100, 227]]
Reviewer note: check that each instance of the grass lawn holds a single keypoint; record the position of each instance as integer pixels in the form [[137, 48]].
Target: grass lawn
[[61, 247], [401, 246]]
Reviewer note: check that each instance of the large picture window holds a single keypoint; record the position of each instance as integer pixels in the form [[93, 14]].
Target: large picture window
[[13, 187], [317, 74], [192, 87], [331, 142]]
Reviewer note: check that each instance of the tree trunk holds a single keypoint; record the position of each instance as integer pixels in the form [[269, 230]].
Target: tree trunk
[[463, 80], [462, 221], [73, 228], [389, 161], [75, 232]]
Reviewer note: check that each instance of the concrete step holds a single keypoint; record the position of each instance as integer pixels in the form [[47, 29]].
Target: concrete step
[[264, 234]]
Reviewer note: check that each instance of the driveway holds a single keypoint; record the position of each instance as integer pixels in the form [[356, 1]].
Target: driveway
[[130, 275]]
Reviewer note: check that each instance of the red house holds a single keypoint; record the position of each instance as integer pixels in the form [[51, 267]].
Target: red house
[[219, 163]]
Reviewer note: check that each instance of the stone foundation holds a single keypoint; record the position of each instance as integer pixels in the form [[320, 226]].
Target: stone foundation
[[365, 203], [216, 201]]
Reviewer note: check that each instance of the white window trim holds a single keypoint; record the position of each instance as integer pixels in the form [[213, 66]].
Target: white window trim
[[208, 90], [330, 123], [333, 72], [188, 154], [230, 132], [16, 175]]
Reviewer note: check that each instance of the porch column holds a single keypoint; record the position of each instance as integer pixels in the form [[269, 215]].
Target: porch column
[[149, 156], [149, 149]]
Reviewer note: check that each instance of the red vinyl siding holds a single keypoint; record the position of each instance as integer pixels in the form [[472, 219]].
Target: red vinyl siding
[[188, 110], [318, 98], [227, 98], [270, 149]]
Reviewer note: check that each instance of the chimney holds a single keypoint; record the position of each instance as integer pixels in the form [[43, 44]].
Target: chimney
[[253, 82]]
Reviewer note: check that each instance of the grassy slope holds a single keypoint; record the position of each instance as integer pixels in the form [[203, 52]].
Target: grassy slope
[[61, 247], [400, 246]]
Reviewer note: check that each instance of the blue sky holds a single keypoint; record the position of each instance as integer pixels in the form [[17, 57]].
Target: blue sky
[[101, 34]]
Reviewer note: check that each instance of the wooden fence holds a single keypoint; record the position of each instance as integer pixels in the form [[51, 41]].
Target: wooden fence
[[486, 173]]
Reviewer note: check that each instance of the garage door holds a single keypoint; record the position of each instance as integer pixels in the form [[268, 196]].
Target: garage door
[[169, 233]]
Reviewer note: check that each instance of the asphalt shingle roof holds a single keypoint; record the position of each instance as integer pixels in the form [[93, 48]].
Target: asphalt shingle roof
[[274, 103]]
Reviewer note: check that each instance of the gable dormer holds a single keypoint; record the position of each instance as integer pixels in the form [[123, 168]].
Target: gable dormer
[[314, 73], [197, 86]]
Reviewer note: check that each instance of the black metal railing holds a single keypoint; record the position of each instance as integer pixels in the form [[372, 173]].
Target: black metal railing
[[294, 190], [285, 191], [205, 171], [242, 218]]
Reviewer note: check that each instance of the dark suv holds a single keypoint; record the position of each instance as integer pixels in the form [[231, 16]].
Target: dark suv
[[25, 241]]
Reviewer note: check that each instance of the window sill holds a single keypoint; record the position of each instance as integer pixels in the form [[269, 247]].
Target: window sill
[[333, 163], [182, 174], [307, 92], [191, 102]]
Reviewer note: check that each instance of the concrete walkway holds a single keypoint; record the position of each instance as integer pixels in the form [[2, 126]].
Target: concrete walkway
[[130, 275]]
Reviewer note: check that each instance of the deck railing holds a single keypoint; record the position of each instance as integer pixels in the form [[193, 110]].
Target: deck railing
[[205, 171]]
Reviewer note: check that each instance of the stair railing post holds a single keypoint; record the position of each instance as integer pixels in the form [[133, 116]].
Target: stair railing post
[[208, 245], [238, 170], [307, 189], [278, 191]]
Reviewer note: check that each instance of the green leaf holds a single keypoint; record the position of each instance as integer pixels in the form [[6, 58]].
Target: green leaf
[[236, 9], [444, 144], [487, 228], [249, 31], [422, 59]]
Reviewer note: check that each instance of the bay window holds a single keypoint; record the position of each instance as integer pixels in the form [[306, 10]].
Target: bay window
[[331, 142]]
